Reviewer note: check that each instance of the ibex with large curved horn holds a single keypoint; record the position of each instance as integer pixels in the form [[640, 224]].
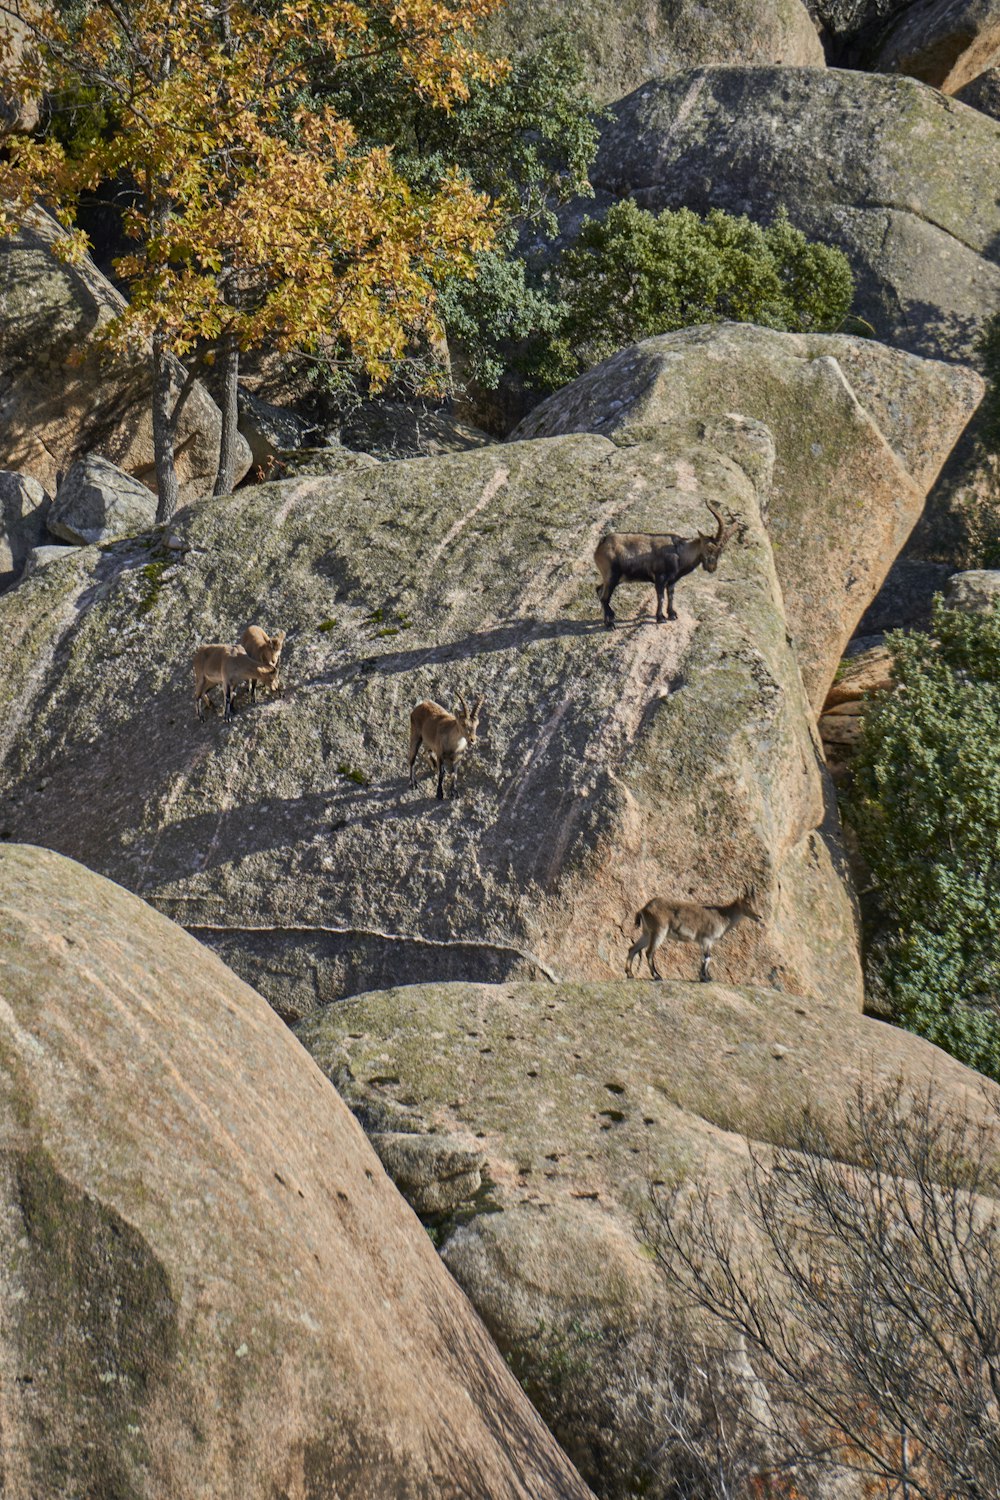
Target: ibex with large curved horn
[[636, 557]]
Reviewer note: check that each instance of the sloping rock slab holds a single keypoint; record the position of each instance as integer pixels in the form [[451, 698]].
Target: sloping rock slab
[[612, 765], [625, 45], [209, 1286], [906, 182], [860, 433], [97, 502], [61, 397], [580, 1097]]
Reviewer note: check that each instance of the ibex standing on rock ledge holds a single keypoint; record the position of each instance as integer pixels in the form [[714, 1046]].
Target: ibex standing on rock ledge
[[704, 925], [659, 559]]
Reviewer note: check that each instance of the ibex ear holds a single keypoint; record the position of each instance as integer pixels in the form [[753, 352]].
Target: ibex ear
[[279, 639]]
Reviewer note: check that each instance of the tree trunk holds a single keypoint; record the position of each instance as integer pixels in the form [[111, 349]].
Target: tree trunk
[[230, 366], [164, 428]]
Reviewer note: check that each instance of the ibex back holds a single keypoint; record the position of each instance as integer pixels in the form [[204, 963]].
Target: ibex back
[[660, 559], [703, 925]]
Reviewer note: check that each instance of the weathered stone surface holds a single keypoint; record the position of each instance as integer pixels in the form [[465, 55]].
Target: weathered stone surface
[[580, 1096], [97, 502], [315, 463], [60, 397], [850, 18], [983, 93], [860, 433], [906, 597], [626, 45], [867, 669], [905, 181], [41, 557], [975, 590], [611, 765], [267, 429], [24, 507], [209, 1285], [397, 429], [435, 1175], [946, 43]]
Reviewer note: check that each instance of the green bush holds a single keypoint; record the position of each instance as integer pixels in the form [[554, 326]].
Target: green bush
[[633, 274], [926, 806]]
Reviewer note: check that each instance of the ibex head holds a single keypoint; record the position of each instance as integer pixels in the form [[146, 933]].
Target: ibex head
[[711, 546], [469, 719]]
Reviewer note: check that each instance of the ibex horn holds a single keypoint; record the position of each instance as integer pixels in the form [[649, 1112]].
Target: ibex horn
[[465, 706], [722, 533]]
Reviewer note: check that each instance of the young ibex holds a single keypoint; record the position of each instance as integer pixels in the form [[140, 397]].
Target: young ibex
[[228, 665], [265, 649], [636, 557], [445, 737], [704, 925]]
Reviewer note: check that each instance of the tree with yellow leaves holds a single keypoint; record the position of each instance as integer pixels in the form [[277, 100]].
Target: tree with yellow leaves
[[258, 219]]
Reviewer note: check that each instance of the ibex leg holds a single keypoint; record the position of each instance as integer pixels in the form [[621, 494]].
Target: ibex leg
[[633, 954], [416, 741], [604, 594], [671, 612], [654, 943], [706, 959]]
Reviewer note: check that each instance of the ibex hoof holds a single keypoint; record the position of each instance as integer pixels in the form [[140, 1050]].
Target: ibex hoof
[[672, 615]]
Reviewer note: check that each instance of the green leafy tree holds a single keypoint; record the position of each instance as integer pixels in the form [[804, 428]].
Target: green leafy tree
[[526, 140], [633, 274], [926, 807]]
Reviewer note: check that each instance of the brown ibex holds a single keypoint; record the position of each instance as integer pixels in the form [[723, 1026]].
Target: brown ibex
[[267, 650], [228, 665], [445, 737], [703, 925], [659, 559]]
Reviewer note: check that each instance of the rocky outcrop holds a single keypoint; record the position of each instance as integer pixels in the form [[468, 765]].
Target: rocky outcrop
[[947, 43], [983, 93], [97, 502], [905, 181], [860, 434], [611, 765], [625, 46], [975, 591], [580, 1097], [209, 1285], [866, 669], [61, 396], [24, 509]]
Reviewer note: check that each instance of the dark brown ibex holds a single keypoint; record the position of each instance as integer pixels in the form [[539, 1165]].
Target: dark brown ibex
[[704, 925], [444, 736], [659, 559]]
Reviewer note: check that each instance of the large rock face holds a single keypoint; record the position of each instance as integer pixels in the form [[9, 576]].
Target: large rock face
[[574, 1099], [906, 182], [61, 397], [209, 1286], [613, 765], [860, 433], [945, 42], [626, 45]]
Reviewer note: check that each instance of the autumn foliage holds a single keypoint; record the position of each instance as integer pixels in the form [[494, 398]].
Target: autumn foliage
[[258, 219]]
